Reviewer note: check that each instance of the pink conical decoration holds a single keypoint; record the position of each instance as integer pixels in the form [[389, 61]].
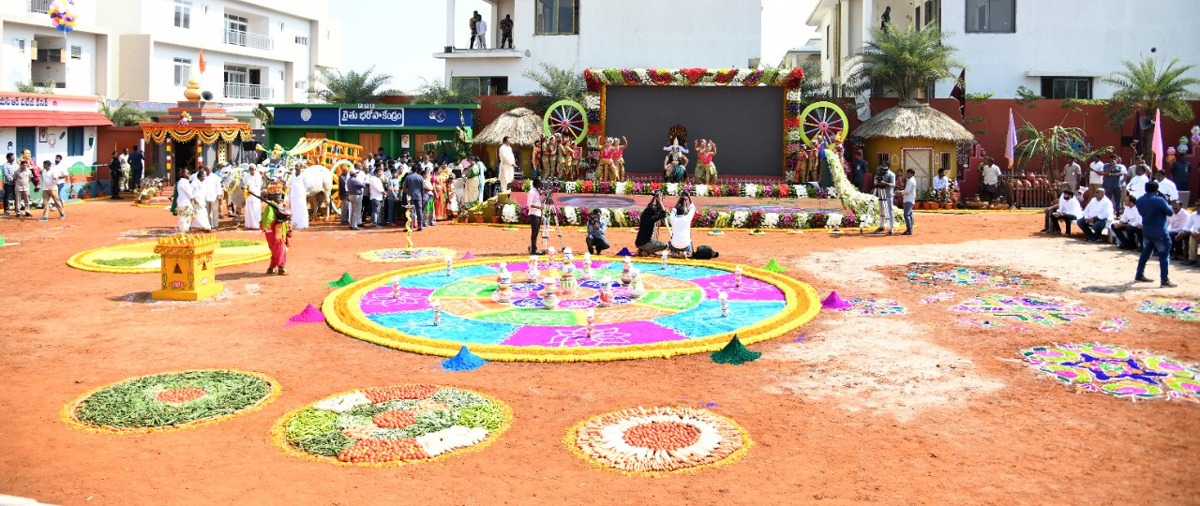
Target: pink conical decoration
[[468, 256], [833, 301], [309, 315]]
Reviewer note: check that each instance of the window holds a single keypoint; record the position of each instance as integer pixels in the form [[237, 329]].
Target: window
[[1067, 87], [183, 13], [280, 75], [301, 85], [183, 67], [946, 164], [827, 42], [236, 74], [74, 141], [76, 53], [883, 158], [303, 41], [467, 85], [991, 16], [557, 17]]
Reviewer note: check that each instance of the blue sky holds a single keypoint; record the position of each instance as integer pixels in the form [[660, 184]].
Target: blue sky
[[399, 37]]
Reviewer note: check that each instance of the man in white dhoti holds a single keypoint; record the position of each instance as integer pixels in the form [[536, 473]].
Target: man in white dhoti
[[184, 200], [253, 183], [213, 189], [298, 198], [200, 192], [507, 164]]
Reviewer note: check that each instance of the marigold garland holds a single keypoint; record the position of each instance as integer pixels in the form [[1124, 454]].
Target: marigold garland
[[67, 413], [344, 315], [278, 434]]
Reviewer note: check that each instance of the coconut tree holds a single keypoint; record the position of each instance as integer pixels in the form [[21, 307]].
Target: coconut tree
[[124, 114], [557, 84], [351, 87], [903, 61], [1148, 86]]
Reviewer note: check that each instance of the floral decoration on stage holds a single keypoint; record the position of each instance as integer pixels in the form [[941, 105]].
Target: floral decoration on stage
[[560, 310], [393, 425], [789, 79], [170, 401], [1112, 370], [751, 190], [658, 441]]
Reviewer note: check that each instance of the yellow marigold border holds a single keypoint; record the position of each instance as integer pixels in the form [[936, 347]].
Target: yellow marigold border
[[151, 206], [67, 414], [570, 440], [278, 435], [77, 260], [343, 315], [366, 255]]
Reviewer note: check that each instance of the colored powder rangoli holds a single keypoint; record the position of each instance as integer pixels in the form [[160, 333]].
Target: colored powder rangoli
[[1116, 371], [953, 275], [1185, 310], [1033, 308]]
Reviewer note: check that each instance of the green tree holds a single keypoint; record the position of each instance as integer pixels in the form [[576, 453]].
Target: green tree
[[437, 92], [264, 115], [1052, 146], [125, 114], [903, 61], [45, 87], [351, 87], [1147, 86], [557, 84], [812, 88]]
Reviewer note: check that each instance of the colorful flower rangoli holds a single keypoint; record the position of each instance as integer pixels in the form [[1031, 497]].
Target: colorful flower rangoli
[[1033, 308], [1185, 310], [658, 441], [1112, 370], [980, 277], [874, 307]]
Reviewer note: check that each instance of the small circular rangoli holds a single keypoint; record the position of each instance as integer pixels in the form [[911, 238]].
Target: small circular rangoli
[[406, 254], [658, 441], [139, 257]]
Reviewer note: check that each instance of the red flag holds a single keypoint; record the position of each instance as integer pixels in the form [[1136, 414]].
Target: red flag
[[201, 61], [960, 93]]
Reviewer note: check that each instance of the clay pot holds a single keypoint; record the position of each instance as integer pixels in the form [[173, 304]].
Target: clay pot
[[948, 205], [495, 219], [479, 218]]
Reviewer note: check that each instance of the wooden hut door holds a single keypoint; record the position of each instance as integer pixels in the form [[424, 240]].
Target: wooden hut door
[[369, 143], [418, 145], [921, 161]]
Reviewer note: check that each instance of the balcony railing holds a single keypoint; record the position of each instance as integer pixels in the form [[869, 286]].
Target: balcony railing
[[248, 91], [41, 6], [247, 39]]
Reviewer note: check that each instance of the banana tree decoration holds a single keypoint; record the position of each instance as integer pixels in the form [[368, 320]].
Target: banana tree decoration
[[1053, 145]]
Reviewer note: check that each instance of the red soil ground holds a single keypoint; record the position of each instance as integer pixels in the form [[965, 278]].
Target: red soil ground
[[1033, 441]]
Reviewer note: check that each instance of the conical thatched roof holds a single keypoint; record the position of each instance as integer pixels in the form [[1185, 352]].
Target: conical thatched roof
[[522, 126], [913, 120]]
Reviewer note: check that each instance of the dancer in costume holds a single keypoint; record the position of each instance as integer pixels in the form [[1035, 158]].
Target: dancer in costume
[[437, 179], [275, 227], [536, 158], [706, 170], [619, 158], [561, 165], [298, 198], [675, 163], [605, 170], [252, 182]]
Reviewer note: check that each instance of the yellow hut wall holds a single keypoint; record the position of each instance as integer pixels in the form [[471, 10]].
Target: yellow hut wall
[[523, 155], [941, 151]]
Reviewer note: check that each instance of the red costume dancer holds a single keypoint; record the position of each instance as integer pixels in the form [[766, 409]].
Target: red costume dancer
[[277, 231]]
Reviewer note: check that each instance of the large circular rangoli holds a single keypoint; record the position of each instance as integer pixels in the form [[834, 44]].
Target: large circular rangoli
[[391, 426], [170, 401], [678, 312], [140, 257], [1136, 374], [658, 441]]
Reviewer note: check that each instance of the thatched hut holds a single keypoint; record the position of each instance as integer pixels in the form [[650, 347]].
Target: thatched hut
[[914, 136], [523, 128]]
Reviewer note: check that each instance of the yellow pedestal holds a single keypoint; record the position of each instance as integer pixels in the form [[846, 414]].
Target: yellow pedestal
[[187, 267]]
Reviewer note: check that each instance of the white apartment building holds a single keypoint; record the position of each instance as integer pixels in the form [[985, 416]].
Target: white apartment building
[[602, 34], [256, 51], [1056, 48]]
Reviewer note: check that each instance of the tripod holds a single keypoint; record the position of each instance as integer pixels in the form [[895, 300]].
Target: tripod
[[548, 206]]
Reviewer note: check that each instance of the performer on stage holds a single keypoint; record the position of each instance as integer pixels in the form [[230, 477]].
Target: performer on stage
[[605, 169], [675, 163], [536, 158], [550, 157], [298, 198], [706, 170], [618, 157], [253, 182], [565, 151]]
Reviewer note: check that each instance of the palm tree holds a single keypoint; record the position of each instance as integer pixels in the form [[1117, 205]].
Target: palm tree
[[1144, 86], [437, 92], [350, 88], [904, 61], [264, 115], [125, 114], [557, 84], [45, 87]]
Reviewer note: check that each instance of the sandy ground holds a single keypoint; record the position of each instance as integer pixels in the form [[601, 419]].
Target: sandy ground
[[906, 409]]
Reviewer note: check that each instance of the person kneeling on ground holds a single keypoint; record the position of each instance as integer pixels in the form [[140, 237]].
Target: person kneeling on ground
[[1128, 228], [596, 228], [1096, 216], [681, 225], [1067, 210], [651, 215]]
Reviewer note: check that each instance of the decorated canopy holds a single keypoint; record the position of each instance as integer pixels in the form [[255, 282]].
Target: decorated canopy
[[195, 118]]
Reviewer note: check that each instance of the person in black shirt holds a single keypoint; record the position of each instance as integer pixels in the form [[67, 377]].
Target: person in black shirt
[[114, 175], [1179, 174], [135, 168], [654, 213], [344, 196], [858, 167], [506, 28]]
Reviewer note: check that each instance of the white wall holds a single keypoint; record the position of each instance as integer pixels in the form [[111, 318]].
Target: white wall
[[46, 151], [16, 65], [628, 34]]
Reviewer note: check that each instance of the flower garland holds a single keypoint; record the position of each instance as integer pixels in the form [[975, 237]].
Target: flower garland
[[207, 134], [392, 426], [597, 80], [658, 441], [170, 401], [751, 190]]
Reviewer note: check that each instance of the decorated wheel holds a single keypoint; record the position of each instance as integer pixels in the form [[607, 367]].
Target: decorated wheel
[[140, 257], [391, 426], [568, 118], [823, 122], [675, 310], [658, 441], [170, 401]]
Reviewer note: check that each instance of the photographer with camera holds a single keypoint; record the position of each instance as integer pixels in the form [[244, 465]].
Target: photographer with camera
[[885, 186], [536, 204], [681, 225], [651, 215]]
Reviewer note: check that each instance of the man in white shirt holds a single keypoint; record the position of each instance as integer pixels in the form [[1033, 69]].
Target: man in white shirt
[[62, 175], [1193, 230], [185, 200], [212, 197], [1128, 229], [1137, 184], [1166, 187], [681, 225], [991, 179], [377, 191], [8, 172], [1071, 174], [1096, 216], [941, 182], [910, 199], [1067, 210], [1177, 228], [481, 32], [49, 189], [508, 163], [533, 200], [1095, 174]]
